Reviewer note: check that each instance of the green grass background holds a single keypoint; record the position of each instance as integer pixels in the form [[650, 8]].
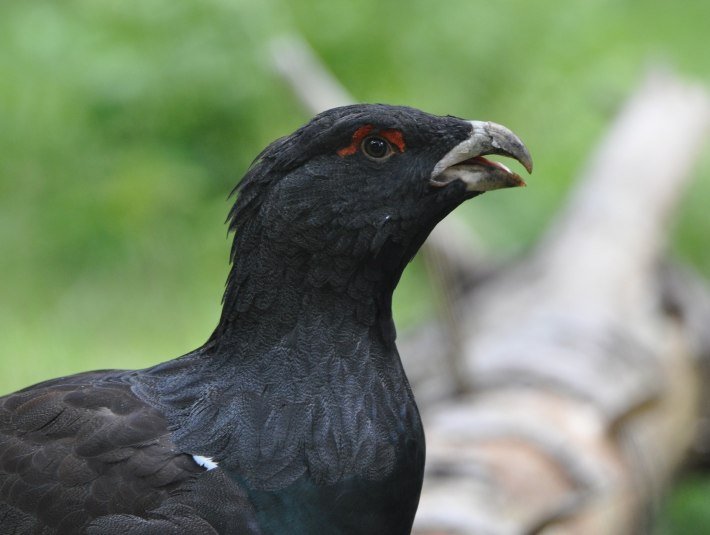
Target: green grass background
[[123, 126]]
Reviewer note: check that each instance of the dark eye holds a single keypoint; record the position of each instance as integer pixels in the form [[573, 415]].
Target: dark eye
[[376, 148]]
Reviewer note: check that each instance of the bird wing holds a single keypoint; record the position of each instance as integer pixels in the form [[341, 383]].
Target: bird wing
[[83, 453]]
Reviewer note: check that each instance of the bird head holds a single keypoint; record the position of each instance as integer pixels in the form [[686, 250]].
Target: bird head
[[360, 187], [383, 173]]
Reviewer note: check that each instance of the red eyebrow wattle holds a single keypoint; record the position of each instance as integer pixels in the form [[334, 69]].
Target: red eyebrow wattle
[[358, 136], [394, 136]]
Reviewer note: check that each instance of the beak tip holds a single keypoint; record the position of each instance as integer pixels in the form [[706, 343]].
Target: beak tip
[[525, 159], [518, 181], [506, 143], [528, 165]]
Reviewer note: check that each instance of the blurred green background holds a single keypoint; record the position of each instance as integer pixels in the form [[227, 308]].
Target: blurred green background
[[123, 126]]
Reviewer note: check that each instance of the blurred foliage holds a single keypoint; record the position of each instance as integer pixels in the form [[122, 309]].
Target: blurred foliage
[[123, 125], [687, 510]]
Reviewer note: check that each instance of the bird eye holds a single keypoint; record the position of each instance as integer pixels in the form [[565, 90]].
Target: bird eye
[[376, 148]]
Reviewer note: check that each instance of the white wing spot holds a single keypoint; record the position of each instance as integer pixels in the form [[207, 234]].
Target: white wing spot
[[206, 462]]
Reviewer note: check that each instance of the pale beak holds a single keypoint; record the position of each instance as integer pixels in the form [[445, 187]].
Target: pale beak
[[466, 160]]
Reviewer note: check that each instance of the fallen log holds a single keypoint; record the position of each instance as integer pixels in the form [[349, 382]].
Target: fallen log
[[583, 357]]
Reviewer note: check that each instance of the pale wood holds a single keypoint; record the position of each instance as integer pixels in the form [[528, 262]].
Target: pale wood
[[585, 387]]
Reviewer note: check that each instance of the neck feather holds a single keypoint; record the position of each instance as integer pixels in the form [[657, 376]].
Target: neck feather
[[274, 285]]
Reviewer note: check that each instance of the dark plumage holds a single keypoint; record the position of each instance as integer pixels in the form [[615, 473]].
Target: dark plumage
[[299, 395]]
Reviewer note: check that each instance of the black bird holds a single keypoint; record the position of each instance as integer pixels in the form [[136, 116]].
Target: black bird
[[295, 416]]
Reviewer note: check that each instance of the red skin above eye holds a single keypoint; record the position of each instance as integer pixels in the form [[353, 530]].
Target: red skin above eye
[[393, 136], [358, 136]]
